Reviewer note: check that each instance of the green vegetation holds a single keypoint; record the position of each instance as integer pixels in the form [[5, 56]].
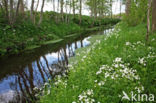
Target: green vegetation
[[121, 61], [25, 35], [116, 68]]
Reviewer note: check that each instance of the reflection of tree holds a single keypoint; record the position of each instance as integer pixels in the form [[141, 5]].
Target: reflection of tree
[[47, 64], [75, 45], [44, 69], [71, 51], [40, 70], [26, 84], [81, 43], [26, 80], [65, 56], [31, 77]]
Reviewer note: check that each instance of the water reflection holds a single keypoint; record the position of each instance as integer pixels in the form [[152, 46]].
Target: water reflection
[[21, 73]]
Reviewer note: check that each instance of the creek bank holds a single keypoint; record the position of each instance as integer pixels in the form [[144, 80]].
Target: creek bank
[[30, 48]]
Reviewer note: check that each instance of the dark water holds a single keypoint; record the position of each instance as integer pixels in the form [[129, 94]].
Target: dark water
[[19, 74]]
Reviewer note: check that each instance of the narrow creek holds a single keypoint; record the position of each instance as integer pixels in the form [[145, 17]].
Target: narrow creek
[[21, 73]]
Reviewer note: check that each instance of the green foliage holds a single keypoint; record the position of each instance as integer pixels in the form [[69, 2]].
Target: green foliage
[[90, 22], [138, 12], [124, 50], [24, 34]]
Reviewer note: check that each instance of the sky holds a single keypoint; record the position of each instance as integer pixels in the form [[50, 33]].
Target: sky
[[85, 11]]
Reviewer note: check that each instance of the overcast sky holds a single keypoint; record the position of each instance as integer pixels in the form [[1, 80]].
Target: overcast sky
[[49, 7]]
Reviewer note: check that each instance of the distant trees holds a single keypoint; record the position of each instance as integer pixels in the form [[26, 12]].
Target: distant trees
[[100, 8], [15, 9], [11, 10]]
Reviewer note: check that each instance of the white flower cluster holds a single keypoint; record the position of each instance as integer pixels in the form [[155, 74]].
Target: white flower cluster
[[142, 61], [151, 55], [133, 45], [117, 70], [153, 39], [86, 97], [60, 81], [44, 90], [128, 43], [114, 32]]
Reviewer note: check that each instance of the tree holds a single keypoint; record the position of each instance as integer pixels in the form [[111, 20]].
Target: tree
[[111, 13], [62, 3], [128, 6], [32, 11], [148, 19], [21, 7], [36, 11], [73, 5], [1, 7], [17, 8], [154, 15], [54, 5], [5, 3], [11, 16], [80, 11], [41, 13]]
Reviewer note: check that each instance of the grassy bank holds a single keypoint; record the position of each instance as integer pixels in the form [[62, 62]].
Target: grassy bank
[[119, 63], [25, 35]]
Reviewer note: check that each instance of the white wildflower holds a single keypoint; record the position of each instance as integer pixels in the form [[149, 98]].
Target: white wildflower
[[128, 43]]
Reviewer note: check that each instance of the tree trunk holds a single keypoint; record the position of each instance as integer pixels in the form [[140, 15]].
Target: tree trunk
[[62, 10], [54, 5], [120, 7], [95, 9], [1, 7], [154, 15], [17, 8], [58, 5], [148, 19], [80, 11], [11, 16], [32, 11], [36, 11], [6, 9], [128, 6], [111, 15], [73, 3], [41, 15], [21, 7]]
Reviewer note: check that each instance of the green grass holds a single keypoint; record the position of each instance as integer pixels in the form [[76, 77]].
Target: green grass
[[101, 72]]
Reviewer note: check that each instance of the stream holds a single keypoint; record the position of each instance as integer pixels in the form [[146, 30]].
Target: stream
[[20, 73]]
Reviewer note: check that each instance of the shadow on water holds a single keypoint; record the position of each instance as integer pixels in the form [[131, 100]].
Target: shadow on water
[[21, 73]]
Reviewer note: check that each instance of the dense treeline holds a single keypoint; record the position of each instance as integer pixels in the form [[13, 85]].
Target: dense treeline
[[13, 11], [141, 11], [137, 12], [24, 25]]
